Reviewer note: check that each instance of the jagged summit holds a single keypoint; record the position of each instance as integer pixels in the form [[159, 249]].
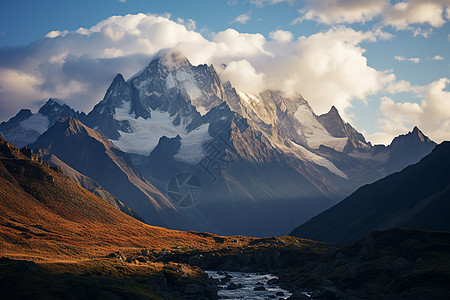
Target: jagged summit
[[415, 136], [23, 114], [54, 109], [25, 127], [333, 111], [408, 148], [417, 132], [118, 78], [337, 127], [168, 97]]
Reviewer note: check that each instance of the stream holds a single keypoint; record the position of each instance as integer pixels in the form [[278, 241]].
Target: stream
[[238, 285]]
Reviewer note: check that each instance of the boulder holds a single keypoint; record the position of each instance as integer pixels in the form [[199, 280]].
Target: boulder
[[297, 295], [233, 286], [273, 281]]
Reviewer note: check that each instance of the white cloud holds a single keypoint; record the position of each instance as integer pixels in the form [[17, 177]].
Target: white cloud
[[412, 59], [436, 57], [77, 66], [402, 15], [123, 1], [243, 76], [56, 33], [342, 11], [190, 24], [431, 115], [231, 43], [403, 86], [330, 69], [242, 18], [281, 36], [261, 3], [327, 68]]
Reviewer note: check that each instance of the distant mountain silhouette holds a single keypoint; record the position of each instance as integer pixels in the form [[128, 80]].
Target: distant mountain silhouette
[[417, 197]]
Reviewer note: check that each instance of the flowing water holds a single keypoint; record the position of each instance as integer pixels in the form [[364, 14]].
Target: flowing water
[[249, 282]]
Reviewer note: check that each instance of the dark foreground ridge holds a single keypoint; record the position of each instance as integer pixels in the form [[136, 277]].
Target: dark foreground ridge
[[394, 264]]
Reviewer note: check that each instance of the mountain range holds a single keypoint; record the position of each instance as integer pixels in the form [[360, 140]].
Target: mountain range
[[188, 151], [416, 197]]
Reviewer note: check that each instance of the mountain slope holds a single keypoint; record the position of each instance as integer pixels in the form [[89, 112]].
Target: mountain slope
[[91, 186], [90, 153], [43, 212], [417, 197]]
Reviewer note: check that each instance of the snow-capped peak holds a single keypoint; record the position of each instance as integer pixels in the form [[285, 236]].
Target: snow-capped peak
[[170, 74]]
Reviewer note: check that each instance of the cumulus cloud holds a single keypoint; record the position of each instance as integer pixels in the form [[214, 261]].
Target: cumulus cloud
[[402, 86], [431, 115], [342, 11], [402, 15], [327, 68], [436, 57], [242, 18], [231, 43], [281, 36], [243, 76], [412, 59], [77, 66]]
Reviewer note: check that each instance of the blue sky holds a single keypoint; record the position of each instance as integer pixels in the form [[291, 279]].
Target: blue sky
[[384, 64]]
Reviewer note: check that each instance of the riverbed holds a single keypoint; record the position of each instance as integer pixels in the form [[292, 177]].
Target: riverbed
[[239, 285]]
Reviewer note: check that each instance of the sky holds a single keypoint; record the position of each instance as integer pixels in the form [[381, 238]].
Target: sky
[[384, 64]]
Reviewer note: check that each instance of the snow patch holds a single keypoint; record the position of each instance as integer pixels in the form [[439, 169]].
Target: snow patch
[[247, 97], [170, 83], [309, 123], [187, 82], [253, 97], [244, 97], [144, 134], [314, 141], [182, 75], [191, 150], [314, 133], [381, 157], [319, 160], [201, 110], [37, 122]]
